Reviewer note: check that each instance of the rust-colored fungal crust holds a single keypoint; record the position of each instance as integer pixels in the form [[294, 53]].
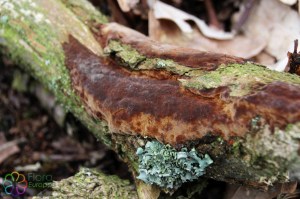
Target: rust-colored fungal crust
[[153, 49], [141, 103]]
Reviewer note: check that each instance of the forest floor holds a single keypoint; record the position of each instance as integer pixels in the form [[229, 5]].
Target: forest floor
[[32, 142]]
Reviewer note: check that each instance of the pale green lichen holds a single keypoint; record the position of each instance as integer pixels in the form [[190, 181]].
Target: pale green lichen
[[240, 78], [131, 58], [4, 19], [166, 64], [261, 158], [280, 144], [162, 165], [40, 42], [272, 154]]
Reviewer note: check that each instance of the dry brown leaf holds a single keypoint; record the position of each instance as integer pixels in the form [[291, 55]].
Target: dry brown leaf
[[180, 18], [264, 30], [2, 138], [242, 46], [283, 29], [7, 149], [265, 59], [289, 2], [127, 5]]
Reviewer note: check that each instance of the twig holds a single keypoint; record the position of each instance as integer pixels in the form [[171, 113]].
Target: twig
[[212, 17], [294, 60]]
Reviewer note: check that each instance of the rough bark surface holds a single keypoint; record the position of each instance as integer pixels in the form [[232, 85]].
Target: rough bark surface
[[128, 89], [88, 183]]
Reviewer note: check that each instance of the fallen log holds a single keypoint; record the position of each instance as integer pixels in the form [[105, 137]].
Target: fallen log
[[226, 118], [89, 183]]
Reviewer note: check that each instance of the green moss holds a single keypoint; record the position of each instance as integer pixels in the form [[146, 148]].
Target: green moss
[[166, 64], [33, 39], [236, 147], [81, 7], [240, 78], [163, 166], [130, 57], [36, 45], [89, 183]]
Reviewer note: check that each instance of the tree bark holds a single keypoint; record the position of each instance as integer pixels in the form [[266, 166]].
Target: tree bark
[[128, 89], [88, 183]]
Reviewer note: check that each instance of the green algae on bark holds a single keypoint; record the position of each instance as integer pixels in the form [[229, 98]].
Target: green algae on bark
[[131, 58], [261, 159], [89, 183], [240, 78], [33, 33], [81, 8]]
